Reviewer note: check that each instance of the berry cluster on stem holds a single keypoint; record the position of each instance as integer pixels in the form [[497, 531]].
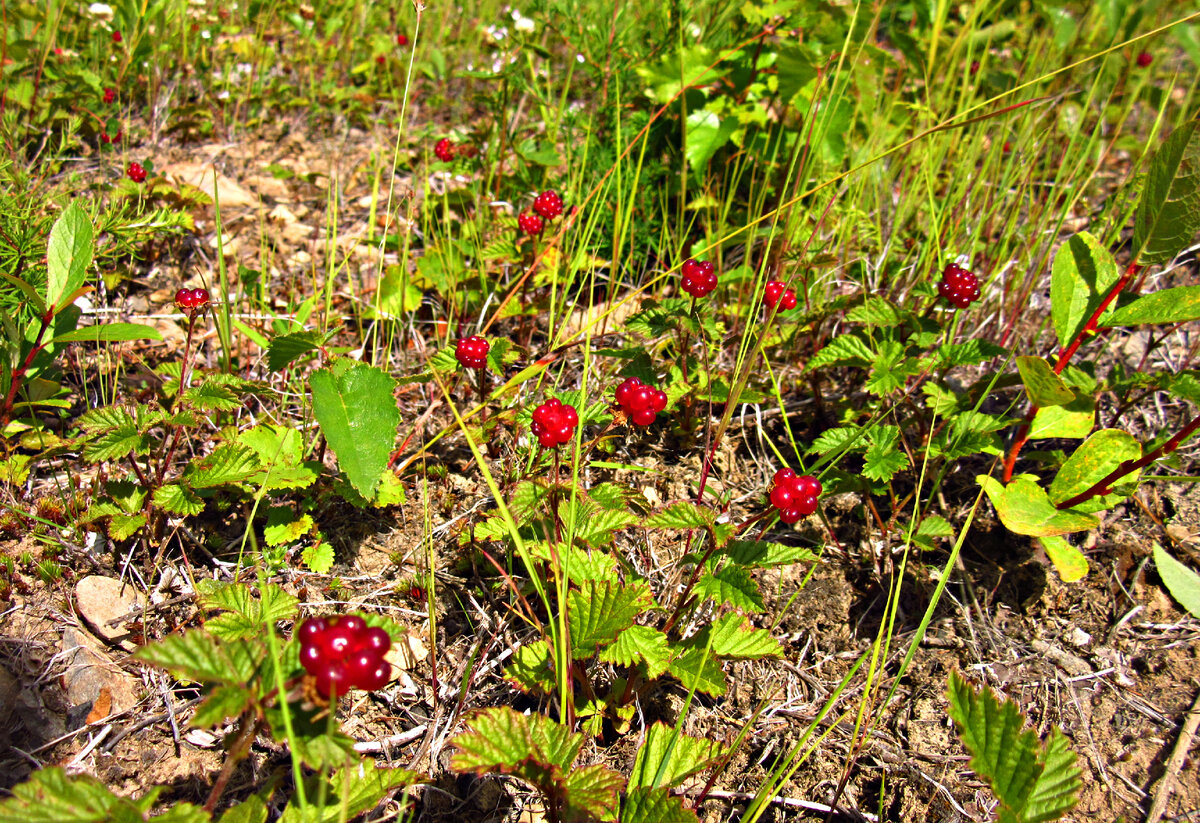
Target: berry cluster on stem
[[554, 423], [794, 495], [188, 300], [776, 293], [959, 286], [471, 352], [641, 402], [699, 277], [548, 204], [530, 223], [136, 172], [343, 653]]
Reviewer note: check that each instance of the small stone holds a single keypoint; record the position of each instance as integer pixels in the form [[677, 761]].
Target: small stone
[[99, 599]]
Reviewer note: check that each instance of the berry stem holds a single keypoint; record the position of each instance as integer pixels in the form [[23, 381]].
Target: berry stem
[[237, 752], [1064, 356], [18, 374]]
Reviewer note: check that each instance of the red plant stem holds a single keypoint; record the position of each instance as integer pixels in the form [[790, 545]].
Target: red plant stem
[[15, 384], [1064, 356], [184, 374], [238, 751], [1103, 485]]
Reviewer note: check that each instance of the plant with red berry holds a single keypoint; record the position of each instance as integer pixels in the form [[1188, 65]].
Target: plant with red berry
[[699, 278], [110, 96], [471, 352], [640, 402], [116, 37], [343, 653], [554, 423], [548, 204], [777, 293], [530, 223], [401, 40], [959, 286], [136, 172], [444, 150], [795, 496], [1144, 59]]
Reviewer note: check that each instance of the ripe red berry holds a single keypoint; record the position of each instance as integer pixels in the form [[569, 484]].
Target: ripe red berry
[[775, 292], [699, 277], [959, 286], [554, 423], [116, 37], [401, 40], [110, 96], [471, 352], [444, 150], [530, 223], [794, 496], [200, 297], [136, 173], [548, 204], [1144, 59], [342, 653], [641, 402]]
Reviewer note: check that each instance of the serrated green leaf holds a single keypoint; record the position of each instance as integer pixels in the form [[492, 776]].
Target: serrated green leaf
[[501, 739], [764, 554], [882, 459], [597, 527], [358, 415], [117, 443], [1082, 274], [250, 810], [655, 806], [228, 463], [532, 668], [224, 702], [1181, 582], [285, 526], [178, 499], [210, 397], [1185, 385], [591, 793], [1094, 460], [683, 515], [105, 418], [1069, 561], [1042, 385], [699, 671], [286, 348], [730, 636], [312, 741], [50, 796], [1168, 215], [68, 255], [639, 645], [843, 437], [123, 526], [843, 350], [1024, 507], [1058, 787], [890, 369], [347, 793], [969, 352], [198, 655], [935, 525], [318, 557], [109, 333], [1177, 305], [877, 311], [602, 609], [732, 585], [667, 758]]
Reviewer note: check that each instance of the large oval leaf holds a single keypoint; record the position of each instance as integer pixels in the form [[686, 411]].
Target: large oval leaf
[[1094, 460], [1082, 274], [357, 413], [1025, 508], [1168, 215], [68, 255]]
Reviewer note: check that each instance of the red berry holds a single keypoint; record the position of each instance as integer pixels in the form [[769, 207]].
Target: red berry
[[110, 96], [352, 623], [699, 277], [183, 299], [959, 286], [776, 292], [375, 678], [530, 223], [554, 423], [116, 37], [548, 204], [313, 627], [376, 641], [332, 680], [1144, 59], [401, 40], [471, 352], [444, 150], [136, 173], [336, 642], [311, 658], [200, 297], [794, 496], [639, 401]]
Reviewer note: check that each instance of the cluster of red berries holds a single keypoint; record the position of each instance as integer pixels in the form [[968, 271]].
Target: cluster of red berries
[[343, 653], [640, 401], [136, 172], [191, 299], [110, 96], [794, 495], [959, 286], [471, 352], [444, 150], [699, 277], [1144, 59], [548, 204], [775, 292], [116, 138], [554, 423], [401, 40], [530, 223]]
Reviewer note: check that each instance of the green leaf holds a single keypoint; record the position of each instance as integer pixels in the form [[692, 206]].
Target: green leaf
[[700, 671], [600, 610], [178, 499], [731, 637], [706, 134], [639, 644], [1024, 507], [1069, 561], [1177, 305], [1044, 387], [1168, 215], [883, 459], [655, 806], [116, 443], [229, 463], [209, 397], [357, 413], [347, 793], [250, 810], [843, 350], [68, 255], [124, 526], [591, 793], [1181, 582], [836, 439], [1075, 419], [109, 333], [198, 655], [222, 703], [762, 554], [318, 557], [285, 348], [732, 585], [1082, 275], [1058, 787], [285, 526], [313, 741], [1094, 460], [503, 740], [266, 605], [877, 311], [183, 813], [684, 515], [532, 668], [667, 758], [50, 796]]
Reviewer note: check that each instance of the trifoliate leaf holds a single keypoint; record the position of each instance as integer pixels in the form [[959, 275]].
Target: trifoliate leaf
[[600, 610], [640, 644], [533, 747], [210, 397], [699, 671], [668, 758], [681, 516], [732, 637], [732, 585], [318, 557], [176, 498]]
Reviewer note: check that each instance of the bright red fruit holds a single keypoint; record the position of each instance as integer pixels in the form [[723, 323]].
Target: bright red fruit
[[775, 292], [444, 150], [530, 223], [110, 96], [136, 173], [471, 352], [401, 40], [795, 496], [699, 277], [343, 653], [554, 423], [1144, 59], [116, 37], [959, 286], [641, 402], [548, 204]]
